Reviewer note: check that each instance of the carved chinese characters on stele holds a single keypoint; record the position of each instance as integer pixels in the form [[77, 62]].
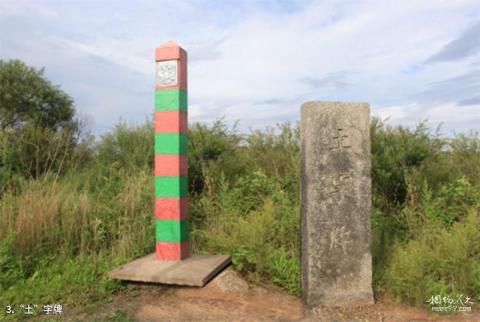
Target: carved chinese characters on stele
[[336, 202], [341, 140]]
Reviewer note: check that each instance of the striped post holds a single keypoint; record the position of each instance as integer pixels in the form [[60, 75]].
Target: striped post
[[171, 173]]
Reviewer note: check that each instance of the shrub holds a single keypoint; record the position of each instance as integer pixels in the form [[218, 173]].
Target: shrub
[[127, 147], [213, 151], [396, 152], [437, 261]]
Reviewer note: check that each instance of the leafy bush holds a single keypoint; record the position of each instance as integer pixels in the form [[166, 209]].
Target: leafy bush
[[396, 152], [437, 261], [128, 148], [213, 151]]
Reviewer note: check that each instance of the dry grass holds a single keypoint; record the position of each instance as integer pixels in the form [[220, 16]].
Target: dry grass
[[65, 216]]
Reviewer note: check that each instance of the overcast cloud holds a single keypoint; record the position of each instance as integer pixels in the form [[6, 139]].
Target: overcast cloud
[[257, 61]]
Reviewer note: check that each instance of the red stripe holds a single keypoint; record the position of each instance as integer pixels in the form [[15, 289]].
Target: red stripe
[[174, 52], [171, 208], [171, 122], [171, 165], [168, 51], [172, 251]]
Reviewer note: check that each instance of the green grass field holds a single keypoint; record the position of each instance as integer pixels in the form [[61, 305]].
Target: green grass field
[[67, 218]]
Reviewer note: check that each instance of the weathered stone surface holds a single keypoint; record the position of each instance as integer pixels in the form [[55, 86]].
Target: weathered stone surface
[[229, 281], [336, 204], [195, 270]]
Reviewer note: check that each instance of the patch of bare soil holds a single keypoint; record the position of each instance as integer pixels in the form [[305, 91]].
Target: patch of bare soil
[[229, 298]]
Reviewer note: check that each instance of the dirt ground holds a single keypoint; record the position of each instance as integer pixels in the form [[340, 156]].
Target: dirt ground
[[229, 298]]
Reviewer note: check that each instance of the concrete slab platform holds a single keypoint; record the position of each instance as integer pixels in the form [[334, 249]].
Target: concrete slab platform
[[196, 270]]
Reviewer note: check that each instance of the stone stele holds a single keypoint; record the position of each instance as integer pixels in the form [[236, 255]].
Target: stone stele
[[336, 204]]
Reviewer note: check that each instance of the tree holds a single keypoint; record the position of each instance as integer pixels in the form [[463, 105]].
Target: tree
[[38, 132], [27, 97]]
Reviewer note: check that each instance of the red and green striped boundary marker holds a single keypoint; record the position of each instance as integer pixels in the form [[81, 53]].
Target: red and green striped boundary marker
[[172, 262], [171, 161]]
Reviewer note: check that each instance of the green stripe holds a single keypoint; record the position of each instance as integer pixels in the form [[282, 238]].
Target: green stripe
[[171, 100], [172, 231], [171, 187], [171, 143]]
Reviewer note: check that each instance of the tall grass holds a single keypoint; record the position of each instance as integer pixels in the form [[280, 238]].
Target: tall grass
[[60, 232]]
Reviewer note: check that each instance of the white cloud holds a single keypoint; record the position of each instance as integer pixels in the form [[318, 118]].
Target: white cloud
[[113, 51], [255, 61], [396, 114], [450, 116]]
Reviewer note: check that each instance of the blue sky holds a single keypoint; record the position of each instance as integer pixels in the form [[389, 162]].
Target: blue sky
[[256, 62]]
